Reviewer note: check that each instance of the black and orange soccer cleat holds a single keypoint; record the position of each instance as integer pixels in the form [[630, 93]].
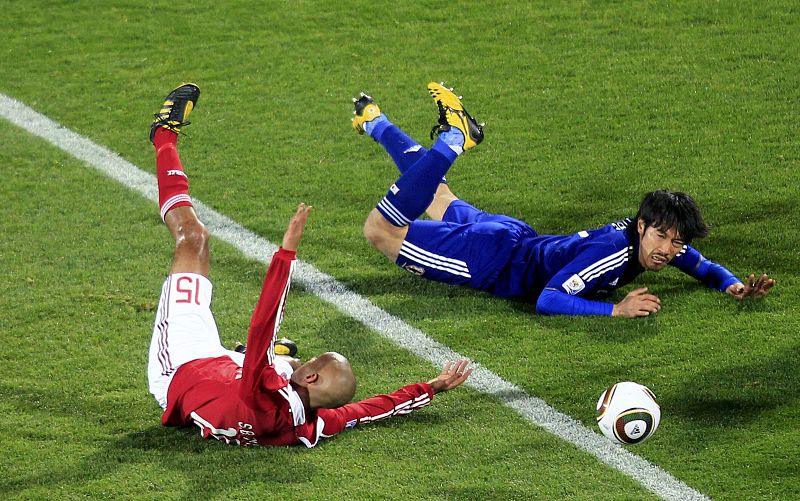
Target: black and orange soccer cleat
[[176, 109]]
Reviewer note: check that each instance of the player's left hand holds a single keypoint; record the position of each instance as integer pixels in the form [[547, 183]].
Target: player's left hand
[[452, 375], [754, 287], [291, 239]]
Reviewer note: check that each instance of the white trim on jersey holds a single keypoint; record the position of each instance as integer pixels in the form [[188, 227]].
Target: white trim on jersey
[[296, 404], [163, 329], [319, 428], [436, 261], [279, 317], [605, 265], [407, 407], [399, 409], [611, 266], [390, 211], [218, 433], [183, 197]]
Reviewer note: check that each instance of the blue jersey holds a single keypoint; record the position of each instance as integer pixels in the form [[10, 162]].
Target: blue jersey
[[508, 258]]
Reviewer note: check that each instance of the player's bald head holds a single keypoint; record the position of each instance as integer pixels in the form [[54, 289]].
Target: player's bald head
[[329, 380]]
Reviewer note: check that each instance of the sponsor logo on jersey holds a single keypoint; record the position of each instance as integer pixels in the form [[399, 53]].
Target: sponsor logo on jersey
[[351, 424], [583, 234], [574, 285], [394, 189], [414, 269], [614, 282]]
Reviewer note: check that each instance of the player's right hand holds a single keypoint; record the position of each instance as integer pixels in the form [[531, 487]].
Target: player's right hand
[[638, 303]]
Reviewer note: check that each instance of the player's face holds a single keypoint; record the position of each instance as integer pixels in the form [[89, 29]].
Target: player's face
[[657, 247]]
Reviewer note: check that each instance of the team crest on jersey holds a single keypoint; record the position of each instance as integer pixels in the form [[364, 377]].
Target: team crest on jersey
[[574, 285], [414, 269]]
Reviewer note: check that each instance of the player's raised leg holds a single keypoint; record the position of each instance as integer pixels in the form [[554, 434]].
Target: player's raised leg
[[410, 196], [184, 329], [452, 114], [191, 236], [368, 119], [455, 116]]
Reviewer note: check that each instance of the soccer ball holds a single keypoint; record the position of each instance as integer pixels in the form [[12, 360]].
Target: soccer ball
[[627, 413]]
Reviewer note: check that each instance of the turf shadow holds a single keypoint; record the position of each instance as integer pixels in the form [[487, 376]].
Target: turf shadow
[[731, 396], [181, 452]]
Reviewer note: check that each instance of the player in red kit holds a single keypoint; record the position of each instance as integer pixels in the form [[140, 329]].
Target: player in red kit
[[257, 398]]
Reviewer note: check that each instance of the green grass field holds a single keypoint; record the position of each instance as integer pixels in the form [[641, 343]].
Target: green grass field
[[588, 106]]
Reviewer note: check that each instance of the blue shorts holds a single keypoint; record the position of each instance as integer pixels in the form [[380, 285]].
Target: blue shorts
[[468, 247]]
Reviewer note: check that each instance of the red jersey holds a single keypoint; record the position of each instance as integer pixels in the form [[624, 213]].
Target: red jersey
[[255, 404]]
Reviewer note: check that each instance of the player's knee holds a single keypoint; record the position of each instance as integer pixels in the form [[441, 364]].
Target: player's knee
[[374, 231], [194, 237], [382, 235]]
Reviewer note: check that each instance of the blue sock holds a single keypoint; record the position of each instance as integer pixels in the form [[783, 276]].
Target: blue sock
[[409, 197], [404, 151], [375, 127], [453, 138]]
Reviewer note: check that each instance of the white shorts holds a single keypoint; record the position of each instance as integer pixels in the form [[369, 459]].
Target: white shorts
[[184, 330]]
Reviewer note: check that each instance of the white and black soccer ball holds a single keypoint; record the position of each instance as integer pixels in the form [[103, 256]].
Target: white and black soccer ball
[[628, 413]]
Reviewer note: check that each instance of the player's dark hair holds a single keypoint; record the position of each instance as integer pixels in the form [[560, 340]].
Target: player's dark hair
[[664, 209]]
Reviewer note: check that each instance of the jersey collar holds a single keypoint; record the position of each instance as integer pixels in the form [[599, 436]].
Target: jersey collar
[[296, 406]]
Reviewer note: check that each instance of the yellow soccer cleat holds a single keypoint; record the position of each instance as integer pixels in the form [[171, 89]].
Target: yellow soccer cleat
[[453, 114], [176, 109], [365, 111]]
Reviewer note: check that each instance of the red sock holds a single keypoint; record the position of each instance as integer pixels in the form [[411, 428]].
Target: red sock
[[173, 185]]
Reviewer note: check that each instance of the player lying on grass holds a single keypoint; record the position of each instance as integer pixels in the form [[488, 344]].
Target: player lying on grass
[[256, 398], [565, 274]]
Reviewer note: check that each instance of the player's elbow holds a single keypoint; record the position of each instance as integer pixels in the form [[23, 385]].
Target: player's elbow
[[546, 303]]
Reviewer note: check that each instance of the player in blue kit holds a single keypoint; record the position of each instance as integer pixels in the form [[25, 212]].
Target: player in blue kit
[[504, 256]]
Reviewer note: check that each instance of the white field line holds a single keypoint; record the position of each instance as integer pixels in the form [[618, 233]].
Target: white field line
[[326, 287]]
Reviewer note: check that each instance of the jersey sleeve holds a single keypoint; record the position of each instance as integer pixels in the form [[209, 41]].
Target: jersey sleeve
[[403, 401], [562, 295], [258, 371], [556, 302], [713, 275]]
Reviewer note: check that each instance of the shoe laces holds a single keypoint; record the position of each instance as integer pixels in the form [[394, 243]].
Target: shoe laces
[[443, 125], [172, 125]]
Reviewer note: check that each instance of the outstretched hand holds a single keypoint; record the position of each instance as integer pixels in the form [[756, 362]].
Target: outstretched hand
[[753, 287], [452, 375], [638, 303], [291, 239]]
